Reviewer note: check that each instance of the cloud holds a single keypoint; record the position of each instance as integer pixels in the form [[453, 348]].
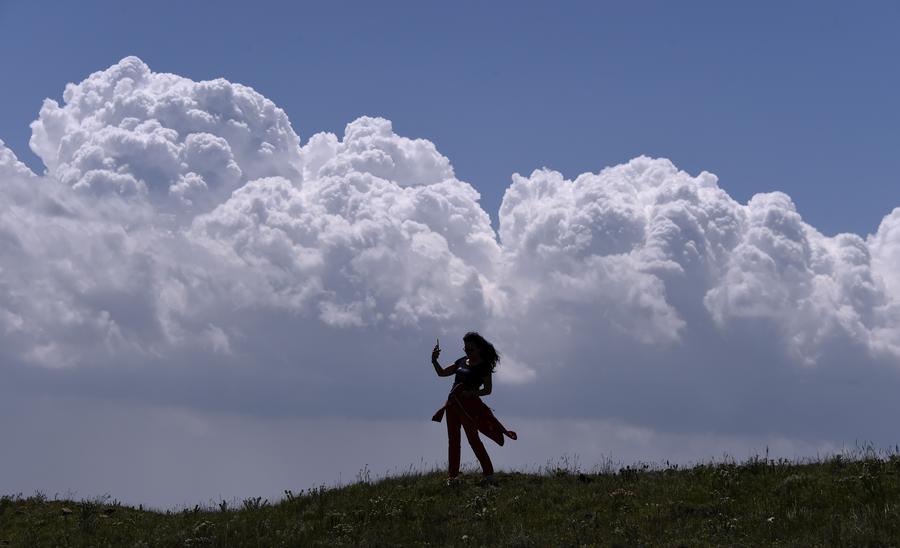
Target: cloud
[[371, 146], [378, 232], [644, 251], [183, 248], [182, 145]]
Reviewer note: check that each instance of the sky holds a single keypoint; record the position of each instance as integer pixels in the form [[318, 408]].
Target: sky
[[228, 239]]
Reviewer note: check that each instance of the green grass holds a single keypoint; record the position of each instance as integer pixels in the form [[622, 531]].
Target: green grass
[[850, 501]]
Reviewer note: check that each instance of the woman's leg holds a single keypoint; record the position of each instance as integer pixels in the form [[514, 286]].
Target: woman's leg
[[487, 467], [453, 440]]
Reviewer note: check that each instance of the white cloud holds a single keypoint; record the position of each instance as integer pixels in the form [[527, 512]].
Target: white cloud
[[180, 144], [183, 245], [884, 247], [649, 252], [371, 146]]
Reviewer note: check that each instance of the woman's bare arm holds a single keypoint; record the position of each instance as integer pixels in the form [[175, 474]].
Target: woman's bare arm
[[487, 386], [444, 371]]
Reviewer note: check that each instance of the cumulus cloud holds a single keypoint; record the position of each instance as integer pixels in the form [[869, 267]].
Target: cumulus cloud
[[378, 232], [182, 145], [183, 247], [646, 251]]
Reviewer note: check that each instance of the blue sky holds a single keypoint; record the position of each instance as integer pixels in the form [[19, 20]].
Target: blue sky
[[798, 97]]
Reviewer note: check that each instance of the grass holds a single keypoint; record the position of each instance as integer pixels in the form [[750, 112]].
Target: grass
[[841, 500]]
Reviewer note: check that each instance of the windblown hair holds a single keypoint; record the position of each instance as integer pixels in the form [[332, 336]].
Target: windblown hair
[[488, 353]]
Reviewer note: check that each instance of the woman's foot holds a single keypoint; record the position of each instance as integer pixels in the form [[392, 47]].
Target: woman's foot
[[452, 482]]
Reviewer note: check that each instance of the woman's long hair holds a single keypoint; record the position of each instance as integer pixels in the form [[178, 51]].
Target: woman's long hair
[[489, 354]]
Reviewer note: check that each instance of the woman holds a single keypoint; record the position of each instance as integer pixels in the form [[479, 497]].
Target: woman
[[464, 407]]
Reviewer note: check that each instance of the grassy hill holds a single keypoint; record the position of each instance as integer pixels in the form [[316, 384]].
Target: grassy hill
[[838, 501]]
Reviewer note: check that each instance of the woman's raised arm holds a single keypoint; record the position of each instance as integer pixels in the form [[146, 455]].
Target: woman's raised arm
[[441, 371], [444, 371]]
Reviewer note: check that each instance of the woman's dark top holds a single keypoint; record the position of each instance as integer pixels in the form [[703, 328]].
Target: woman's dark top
[[470, 377]]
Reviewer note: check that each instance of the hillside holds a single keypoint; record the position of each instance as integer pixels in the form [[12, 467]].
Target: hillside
[[839, 501]]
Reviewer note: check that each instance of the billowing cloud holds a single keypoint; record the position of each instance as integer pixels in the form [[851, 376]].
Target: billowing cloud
[[183, 247], [378, 232], [644, 251], [183, 145]]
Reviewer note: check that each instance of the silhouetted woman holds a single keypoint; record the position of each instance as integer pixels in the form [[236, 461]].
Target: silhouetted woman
[[464, 407]]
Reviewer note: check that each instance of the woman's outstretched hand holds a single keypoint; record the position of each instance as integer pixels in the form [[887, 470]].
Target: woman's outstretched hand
[[436, 352]]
